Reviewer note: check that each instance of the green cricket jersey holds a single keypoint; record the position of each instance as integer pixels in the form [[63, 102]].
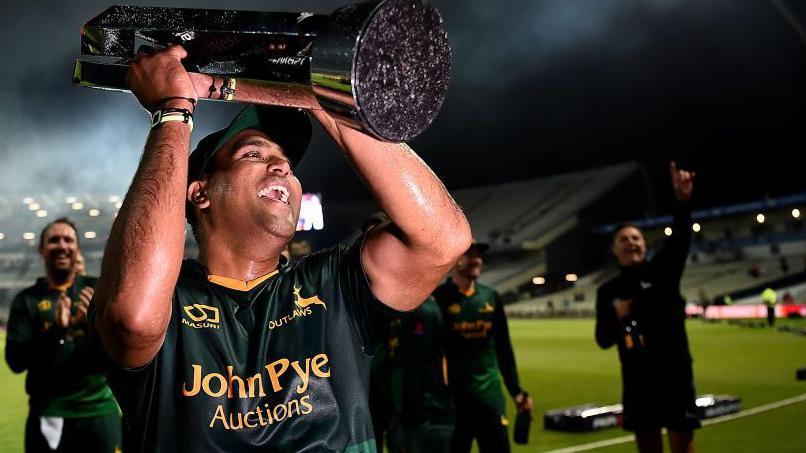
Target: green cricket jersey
[[277, 364], [477, 343], [420, 392], [65, 378]]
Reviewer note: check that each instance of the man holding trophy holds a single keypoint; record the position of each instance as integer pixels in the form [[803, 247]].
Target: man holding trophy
[[239, 351]]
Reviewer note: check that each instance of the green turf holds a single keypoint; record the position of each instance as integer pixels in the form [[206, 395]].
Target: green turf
[[561, 366], [14, 406]]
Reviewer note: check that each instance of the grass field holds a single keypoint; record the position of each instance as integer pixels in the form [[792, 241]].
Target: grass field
[[561, 366]]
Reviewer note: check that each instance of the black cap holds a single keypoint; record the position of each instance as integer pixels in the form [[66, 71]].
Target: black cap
[[480, 247], [288, 127]]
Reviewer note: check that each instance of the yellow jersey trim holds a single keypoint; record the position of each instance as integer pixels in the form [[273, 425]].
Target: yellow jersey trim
[[239, 285], [63, 287]]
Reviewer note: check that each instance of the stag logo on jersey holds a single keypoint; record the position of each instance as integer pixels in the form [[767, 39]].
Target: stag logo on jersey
[[44, 305], [303, 302], [201, 317], [304, 307], [487, 308], [455, 309]]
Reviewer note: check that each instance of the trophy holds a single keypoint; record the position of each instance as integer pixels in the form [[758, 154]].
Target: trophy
[[382, 67]]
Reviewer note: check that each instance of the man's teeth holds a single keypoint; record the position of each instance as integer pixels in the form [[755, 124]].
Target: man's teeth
[[282, 193]]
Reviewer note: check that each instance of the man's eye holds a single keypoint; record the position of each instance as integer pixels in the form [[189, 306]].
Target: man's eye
[[252, 154]]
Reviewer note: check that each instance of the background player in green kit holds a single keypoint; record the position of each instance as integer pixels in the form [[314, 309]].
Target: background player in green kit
[[478, 348], [423, 418], [71, 409], [236, 351]]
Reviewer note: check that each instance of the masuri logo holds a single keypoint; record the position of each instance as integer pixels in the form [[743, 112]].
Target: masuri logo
[[201, 316]]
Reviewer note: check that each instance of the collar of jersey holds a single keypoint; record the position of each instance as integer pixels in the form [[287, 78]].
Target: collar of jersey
[[470, 291], [62, 287], [239, 285]]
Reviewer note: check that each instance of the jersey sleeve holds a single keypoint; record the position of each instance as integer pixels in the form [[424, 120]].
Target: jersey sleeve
[[503, 348], [19, 338], [607, 325], [133, 388], [366, 311], [670, 261]]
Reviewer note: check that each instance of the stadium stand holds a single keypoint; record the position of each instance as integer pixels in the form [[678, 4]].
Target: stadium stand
[[22, 217], [516, 215], [547, 227], [735, 255]]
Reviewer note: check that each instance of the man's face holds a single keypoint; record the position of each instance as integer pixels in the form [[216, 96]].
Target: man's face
[[59, 248], [253, 189], [470, 264], [629, 246]]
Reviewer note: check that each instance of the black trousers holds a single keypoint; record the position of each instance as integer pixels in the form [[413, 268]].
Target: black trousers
[[100, 434], [660, 400], [480, 420]]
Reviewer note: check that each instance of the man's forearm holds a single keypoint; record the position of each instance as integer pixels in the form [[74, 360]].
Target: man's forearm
[[253, 92], [144, 252], [607, 325], [672, 257], [606, 330], [681, 222]]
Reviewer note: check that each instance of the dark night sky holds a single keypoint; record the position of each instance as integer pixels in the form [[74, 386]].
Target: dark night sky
[[539, 87]]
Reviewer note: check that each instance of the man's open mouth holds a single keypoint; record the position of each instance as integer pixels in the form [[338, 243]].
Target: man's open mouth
[[274, 192]]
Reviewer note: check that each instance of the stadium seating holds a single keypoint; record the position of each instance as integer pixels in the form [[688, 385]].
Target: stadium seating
[[520, 219], [513, 214]]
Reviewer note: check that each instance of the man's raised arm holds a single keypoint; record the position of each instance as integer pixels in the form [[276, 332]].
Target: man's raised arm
[[674, 253], [406, 259], [145, 248]]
